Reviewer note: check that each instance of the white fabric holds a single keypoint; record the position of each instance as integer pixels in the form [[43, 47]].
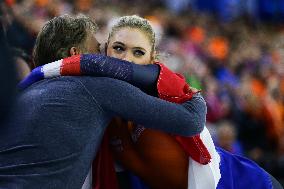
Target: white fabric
[[52, 69], [88, 181], [205, 176]]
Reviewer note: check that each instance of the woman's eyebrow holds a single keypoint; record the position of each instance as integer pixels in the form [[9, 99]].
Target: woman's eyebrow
[[139, 48], [122, 44], [119, 43]]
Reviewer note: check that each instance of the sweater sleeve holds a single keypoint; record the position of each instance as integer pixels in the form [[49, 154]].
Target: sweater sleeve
[[142, 76], [126, 101]]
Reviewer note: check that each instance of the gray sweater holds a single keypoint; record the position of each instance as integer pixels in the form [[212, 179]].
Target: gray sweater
[[57, 125]]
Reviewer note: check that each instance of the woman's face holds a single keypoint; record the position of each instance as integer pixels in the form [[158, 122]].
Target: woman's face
[[132, 45]]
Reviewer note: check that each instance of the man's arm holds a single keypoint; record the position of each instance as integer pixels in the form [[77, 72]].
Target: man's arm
[[124, 100]]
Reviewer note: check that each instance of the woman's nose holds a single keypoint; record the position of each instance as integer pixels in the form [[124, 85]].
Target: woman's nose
[[128, 57]]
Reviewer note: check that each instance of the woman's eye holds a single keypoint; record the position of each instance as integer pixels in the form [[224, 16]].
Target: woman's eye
[[138, 53], [118, 48]]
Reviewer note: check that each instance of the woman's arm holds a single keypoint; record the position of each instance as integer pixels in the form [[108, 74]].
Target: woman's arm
[[142, 76]]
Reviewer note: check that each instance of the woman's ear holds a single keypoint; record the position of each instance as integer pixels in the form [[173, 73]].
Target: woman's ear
[[154, 57], [74, 51]]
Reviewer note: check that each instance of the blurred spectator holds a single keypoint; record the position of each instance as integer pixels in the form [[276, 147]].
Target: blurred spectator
[[218, 48], [23, 63], [226, 138], [279, 171]]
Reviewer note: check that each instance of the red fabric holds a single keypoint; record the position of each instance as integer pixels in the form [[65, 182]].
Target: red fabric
[[195, 148], [104, 175], [71, 66], [10, 2], [173, 87]]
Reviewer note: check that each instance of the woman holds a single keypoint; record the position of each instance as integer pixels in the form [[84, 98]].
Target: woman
[[136, 147], [160, 160]]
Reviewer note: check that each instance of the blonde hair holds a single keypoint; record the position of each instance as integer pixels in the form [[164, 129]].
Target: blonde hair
[[137, 22]]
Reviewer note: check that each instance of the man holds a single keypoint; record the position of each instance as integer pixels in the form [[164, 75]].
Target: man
[[57, 124]]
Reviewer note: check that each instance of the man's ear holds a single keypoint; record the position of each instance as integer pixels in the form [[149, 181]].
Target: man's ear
[[74, 51], [106, 45]]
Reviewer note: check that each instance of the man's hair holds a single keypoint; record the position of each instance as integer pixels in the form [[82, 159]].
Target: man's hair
[[60, 34]]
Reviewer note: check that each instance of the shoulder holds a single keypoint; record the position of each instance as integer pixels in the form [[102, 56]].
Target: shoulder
[[67, 82], [82, 86], [59, 86], [68, 91], [103, 84]]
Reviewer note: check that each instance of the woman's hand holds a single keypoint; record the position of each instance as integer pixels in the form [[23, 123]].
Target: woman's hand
[[120, 138]]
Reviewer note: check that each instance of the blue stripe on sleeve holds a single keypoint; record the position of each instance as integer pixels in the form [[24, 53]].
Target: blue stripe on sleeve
[[36, 75]]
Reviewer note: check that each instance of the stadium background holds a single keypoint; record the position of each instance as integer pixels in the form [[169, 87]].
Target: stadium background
[[231, 49]]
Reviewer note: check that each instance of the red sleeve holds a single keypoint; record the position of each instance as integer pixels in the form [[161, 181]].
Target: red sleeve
[[173, 88]]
